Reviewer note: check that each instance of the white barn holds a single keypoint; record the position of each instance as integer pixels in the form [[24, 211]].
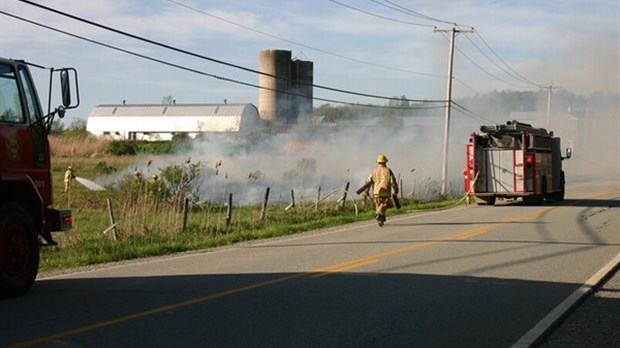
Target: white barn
[[161, 121]]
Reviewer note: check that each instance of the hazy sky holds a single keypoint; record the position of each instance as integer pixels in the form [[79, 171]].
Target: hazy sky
[[377, 47]]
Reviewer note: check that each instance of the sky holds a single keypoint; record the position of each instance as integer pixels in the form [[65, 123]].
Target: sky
[[380, 47], [377, 47]]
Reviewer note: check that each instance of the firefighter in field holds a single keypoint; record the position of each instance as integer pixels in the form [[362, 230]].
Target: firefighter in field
[[383, 182], [155, 185], [137, 176], [154, 179], [69, 176]]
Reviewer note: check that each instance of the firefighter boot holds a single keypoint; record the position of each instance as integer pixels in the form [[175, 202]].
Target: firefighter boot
[[47, 236], [380, 219]]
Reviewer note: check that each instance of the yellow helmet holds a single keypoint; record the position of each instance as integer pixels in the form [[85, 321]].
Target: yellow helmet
[[70, 167], [382, 159]]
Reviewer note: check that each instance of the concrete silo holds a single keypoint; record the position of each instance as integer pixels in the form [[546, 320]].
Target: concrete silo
[[301, 88], [273, 96]]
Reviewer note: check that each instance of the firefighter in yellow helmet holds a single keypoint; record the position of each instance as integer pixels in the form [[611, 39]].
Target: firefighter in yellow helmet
[[69, 176], [383, 182]]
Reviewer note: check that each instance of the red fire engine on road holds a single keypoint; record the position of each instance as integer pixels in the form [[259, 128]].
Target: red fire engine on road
[[514, 160], [26, 215]]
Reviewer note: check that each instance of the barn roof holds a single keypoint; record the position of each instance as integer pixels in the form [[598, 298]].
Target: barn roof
[[164, 110], [168, 118]]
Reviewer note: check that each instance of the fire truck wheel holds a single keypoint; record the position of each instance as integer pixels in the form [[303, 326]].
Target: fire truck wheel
[[562, 187], [19, 250], [543, 195], [485, 200]]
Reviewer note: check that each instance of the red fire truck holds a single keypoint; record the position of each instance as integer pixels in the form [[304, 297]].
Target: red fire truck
[[514, 160], [26, 214]]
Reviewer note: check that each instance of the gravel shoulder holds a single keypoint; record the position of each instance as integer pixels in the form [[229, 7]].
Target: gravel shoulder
[[595, 322]]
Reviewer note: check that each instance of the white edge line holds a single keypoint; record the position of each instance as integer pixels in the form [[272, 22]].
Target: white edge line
[[558, 312]]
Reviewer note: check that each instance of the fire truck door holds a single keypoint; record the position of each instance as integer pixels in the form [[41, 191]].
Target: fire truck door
[[518, 171], [468, 171]]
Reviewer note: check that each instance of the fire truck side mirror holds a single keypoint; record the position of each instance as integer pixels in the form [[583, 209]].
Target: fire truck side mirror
[[65, 86], [569, 152]]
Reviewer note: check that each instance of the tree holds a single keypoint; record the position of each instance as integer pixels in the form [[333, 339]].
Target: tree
[[78, 125], [168, 99], [57, 126]]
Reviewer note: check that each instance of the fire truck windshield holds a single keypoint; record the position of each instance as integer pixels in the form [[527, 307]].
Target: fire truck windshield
[[10, 106]]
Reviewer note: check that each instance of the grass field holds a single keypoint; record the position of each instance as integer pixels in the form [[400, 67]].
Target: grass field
[[150, 216]]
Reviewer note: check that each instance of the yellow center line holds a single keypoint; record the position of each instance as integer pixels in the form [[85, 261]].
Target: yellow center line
[[319, 272]]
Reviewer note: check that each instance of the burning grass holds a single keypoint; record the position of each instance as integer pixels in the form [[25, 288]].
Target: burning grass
[[151, 218]]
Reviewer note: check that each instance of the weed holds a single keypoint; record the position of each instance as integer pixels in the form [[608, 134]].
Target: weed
[[150, 214]]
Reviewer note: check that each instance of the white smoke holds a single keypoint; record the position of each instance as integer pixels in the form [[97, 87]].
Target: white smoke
[[304, 158]]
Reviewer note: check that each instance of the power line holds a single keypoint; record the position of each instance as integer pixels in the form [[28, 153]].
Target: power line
[[481, 68], [465, 111], [183, 51], [506, 64], [466, 85], [198, 71], [379, 16], [298, 43], [486, 71], [410, 12], [491, 60], [516, 75], [407, 11]]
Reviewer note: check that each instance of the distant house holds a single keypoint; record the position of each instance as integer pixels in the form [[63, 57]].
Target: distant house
[[162, 121]]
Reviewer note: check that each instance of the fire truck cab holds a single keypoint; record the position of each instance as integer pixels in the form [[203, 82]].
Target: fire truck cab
[[514, 160], [26, 213]]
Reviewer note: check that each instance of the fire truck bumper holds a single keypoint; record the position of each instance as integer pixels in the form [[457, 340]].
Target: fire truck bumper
[[503, 194], [58, 220]]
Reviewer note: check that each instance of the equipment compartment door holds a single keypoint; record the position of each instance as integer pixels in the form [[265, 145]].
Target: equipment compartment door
[[501, 170]]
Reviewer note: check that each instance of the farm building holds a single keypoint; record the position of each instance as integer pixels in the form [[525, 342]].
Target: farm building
[[161, 121]]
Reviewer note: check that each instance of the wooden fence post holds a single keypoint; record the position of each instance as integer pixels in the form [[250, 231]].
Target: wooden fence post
[[412, 184], [112, 220], [344, 196], [185, 211], [292, 205], [318, 199], [229, 210], [263, 210]]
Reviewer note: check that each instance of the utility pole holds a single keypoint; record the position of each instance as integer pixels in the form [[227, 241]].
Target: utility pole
[[446, 132], [549, 104], [549, 93]]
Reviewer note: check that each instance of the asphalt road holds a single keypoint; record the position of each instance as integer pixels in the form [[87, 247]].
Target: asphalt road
[[468, 277]]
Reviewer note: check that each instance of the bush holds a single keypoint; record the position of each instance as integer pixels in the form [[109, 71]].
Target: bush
[[155, 147], [133, 147], [102, 167], [122, 147]]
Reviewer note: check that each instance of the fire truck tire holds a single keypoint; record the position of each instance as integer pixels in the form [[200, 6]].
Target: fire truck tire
[[562, 187], [537, 199], [485, 200], [19, 250], [543, 195]]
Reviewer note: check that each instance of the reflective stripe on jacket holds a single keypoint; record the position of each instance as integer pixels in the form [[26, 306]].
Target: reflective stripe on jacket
[[383, 181]]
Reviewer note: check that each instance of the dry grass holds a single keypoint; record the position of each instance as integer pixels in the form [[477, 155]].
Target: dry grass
[[82, 145], [149, 223]]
